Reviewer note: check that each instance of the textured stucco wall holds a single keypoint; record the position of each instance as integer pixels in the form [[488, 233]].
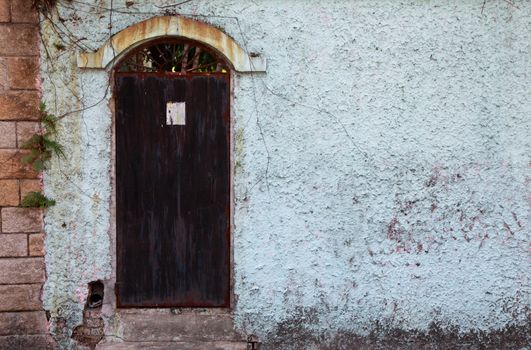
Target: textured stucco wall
[[396, 191]]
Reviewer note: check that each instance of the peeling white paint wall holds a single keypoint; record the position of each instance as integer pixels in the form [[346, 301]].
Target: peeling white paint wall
[[397, 185]]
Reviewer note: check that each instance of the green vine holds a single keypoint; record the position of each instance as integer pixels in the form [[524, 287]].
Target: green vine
[[42, 146]]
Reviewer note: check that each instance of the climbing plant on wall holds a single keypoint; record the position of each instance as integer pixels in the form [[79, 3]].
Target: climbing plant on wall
[[42, 146]]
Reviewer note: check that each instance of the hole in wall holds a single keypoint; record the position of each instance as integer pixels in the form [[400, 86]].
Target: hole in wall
[[95, 295], [90, 332]]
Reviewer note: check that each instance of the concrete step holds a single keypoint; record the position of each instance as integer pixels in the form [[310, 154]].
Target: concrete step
[[186, 327], [188, 345]]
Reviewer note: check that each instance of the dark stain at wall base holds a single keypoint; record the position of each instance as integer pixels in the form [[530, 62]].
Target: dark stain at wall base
[[297, 333]]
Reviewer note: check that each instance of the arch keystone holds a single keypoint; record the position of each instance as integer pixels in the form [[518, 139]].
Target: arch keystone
[[170, 26]]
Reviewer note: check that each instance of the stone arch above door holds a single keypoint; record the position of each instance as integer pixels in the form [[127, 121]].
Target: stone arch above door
[[171, 26]]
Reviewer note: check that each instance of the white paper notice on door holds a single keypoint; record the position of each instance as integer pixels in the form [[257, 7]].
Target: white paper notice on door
[[175, 113]]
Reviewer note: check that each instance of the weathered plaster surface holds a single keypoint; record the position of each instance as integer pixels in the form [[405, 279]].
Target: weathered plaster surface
[[396, 195]]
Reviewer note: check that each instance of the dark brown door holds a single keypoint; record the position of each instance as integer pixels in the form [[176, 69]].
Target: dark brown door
[[172, 190]]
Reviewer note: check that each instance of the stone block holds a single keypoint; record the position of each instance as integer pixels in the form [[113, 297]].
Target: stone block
[[8, 135], [23, 72], [24, 297], [23, 323], [12, 167], [94, 322], [4, 11], [4, 85], [186, 326], [21, 220], [25, 130], [27, 186], [23, 39], [33, 342], [13, 245], [92, 313], [36, 244], [9, 193], [21, 271], [19, 105], [22, 12]]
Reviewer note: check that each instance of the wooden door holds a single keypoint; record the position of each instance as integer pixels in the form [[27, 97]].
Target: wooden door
[[172, 190]]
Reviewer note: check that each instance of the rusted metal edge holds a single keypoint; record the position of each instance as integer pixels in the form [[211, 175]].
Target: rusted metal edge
[[172, 40], [171, 26]]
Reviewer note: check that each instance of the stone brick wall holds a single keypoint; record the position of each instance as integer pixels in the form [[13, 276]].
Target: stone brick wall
[[23, 323]]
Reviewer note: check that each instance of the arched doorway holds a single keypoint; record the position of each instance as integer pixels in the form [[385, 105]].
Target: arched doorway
[[172, 108]]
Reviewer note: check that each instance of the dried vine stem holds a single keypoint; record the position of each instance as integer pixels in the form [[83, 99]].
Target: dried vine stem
[[44, 6]]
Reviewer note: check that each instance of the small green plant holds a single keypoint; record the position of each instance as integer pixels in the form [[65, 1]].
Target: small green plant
[[36, 200], [42, 145]]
